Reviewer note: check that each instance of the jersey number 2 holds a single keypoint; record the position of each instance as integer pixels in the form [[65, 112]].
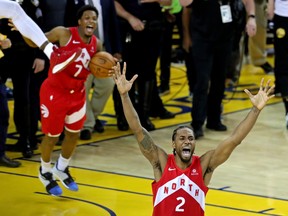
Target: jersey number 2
[[182, 202]]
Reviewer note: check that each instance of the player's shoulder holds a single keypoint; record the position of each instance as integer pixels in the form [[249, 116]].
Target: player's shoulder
[[59, 32]]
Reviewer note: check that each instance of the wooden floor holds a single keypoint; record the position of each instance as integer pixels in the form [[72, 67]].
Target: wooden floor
[[115, 179]]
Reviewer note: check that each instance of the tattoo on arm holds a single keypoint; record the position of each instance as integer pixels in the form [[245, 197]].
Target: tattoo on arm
[[149, 149], [147, 143]]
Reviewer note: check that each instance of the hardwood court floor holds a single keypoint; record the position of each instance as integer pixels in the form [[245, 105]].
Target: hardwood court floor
[[115, 179]]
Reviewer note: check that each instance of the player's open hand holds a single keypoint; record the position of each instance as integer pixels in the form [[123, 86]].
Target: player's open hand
[[123, 85], [263, 96]]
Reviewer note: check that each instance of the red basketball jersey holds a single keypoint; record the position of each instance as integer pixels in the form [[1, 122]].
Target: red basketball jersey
[[180, 192], [75, 74], [62, 94]]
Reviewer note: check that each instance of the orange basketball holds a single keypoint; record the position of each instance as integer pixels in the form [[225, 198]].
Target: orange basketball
[[101, 63]]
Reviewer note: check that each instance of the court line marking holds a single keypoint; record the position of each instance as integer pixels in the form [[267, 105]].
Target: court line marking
[[112, 213]]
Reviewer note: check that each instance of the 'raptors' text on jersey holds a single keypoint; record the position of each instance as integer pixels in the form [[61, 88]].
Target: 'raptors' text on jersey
[[180, 192]]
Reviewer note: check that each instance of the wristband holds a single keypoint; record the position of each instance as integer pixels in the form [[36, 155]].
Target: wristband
[[251, 16]]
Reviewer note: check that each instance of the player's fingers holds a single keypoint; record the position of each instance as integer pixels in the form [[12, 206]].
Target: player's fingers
[[267, 85], [133, 78], [124, 69], [248, 93], [270, 90], [261, 84]]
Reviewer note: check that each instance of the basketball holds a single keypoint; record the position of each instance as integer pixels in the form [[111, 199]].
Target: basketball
[[101, 63]]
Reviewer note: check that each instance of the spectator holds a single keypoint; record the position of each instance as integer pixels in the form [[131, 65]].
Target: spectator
[[257, 44], [29, 61], [173, 17], [4, 114], [278, 12], [211, 49], [141, 29]]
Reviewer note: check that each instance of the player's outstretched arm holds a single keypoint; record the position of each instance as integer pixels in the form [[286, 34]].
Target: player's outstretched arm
[[124, 86], [224, 149], [147, 146]]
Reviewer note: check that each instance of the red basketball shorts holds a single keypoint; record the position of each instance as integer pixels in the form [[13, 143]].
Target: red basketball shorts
[[61, 108]]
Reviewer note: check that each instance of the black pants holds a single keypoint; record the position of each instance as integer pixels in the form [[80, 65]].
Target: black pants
[[281, 54], [18, 65], [166, 48], [141, 52], [4, 117], [210, 61]]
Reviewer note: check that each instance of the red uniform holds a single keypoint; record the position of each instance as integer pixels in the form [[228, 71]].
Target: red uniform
[[180, 192], [62, 94]]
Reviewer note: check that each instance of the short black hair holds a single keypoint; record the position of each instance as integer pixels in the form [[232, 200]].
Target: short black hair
[[178, 128], [86, 8]]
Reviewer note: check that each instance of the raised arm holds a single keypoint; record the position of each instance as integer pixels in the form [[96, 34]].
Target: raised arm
[[216, 157], [156, 156]]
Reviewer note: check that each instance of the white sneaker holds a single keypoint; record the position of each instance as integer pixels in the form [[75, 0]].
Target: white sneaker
[[49, 183], [65, 178]]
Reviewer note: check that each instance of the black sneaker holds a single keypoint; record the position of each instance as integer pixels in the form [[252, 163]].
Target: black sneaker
[[85, 134], [49, 183], [98, 126], [5, 161], [268, 69], [217, 127], [122, 124], [165, 114], [198, 133]]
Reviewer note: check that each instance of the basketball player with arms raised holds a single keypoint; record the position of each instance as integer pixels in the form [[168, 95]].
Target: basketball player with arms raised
[[63, 101], [181, 179]]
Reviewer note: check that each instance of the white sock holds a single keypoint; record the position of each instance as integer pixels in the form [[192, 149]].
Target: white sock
[[46, 166], [62, 163], [48, 49]]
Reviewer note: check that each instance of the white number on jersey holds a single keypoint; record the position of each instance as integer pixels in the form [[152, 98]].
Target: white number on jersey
[[182, 202]]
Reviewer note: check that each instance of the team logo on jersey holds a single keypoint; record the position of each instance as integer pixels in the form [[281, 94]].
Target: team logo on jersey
[[194, 172], [171, 169], [44, 111], [75, 42]]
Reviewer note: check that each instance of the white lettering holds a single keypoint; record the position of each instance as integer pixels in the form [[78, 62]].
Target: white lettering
[[184, 183]]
